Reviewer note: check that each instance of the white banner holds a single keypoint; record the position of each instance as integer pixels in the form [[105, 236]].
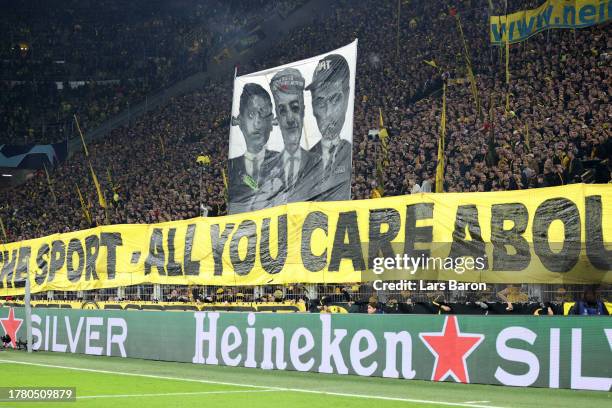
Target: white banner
[[292, 132]]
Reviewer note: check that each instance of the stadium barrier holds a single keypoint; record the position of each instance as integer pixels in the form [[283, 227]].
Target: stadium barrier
[[275, 307], [554, 352], [465, 308]]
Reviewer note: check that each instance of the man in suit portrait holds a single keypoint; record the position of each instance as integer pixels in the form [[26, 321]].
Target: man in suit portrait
[[254, 177], [299, 167], [330, 90]]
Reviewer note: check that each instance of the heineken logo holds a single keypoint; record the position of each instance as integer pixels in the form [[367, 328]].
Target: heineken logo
[[507, 354], [450, 347]]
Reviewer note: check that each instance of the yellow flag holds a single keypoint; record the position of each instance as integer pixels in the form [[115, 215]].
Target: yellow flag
[[82, 137], [440, 166], [225, 189], [382, 130], [507, 60], [468, 66], [109, 176], [382, 161], [383, 135], [3, 231], [380, 180], [224, 179], [205, 160], [507, 71], [101, 198], [431, 63], [161, 142], [49, 183], [86, 213]]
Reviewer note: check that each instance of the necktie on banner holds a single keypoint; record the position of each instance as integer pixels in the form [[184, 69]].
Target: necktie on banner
[[330, 160], [290, 178], [256, 170]]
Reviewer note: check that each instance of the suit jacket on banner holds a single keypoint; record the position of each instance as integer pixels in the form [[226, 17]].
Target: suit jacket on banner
[[336, 174], [249, 194]]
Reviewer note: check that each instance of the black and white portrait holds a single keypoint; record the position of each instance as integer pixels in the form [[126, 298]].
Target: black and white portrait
[[251, 175], [330, 89], [292, 131], [299, 167]]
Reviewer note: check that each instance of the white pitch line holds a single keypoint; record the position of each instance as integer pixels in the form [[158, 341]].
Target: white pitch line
[[167, 394], [338, 394], [476, 402]]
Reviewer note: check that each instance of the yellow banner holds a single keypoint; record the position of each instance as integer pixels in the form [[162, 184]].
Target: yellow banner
[[552, 14], [551, 235]]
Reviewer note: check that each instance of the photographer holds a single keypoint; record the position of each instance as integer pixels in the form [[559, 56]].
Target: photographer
[[6, 340]]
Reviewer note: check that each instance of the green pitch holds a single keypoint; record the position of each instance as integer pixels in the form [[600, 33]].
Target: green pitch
[[109, 381]]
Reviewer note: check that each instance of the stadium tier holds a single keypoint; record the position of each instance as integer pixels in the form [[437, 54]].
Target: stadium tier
[[402, 159]]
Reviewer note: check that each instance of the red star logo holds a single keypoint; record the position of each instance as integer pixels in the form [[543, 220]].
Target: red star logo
[[451, 349], [11, 326]]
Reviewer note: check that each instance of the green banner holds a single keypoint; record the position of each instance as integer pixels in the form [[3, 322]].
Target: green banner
[[554, 352]]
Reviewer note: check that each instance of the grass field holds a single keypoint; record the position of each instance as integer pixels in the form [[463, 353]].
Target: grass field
[[111, 381]]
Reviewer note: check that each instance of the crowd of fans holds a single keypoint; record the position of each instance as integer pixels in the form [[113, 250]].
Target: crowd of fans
[[345, 298], [559, 116], [37, 112], [58, 59], [557, 122], [109, 39]]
